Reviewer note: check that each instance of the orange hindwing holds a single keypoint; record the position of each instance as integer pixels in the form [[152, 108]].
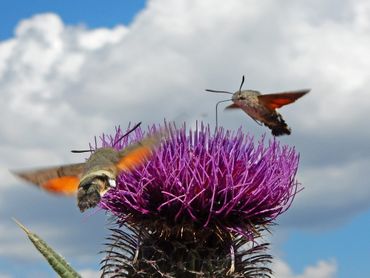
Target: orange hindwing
[[273, 101], [62, 179], [137, 153]]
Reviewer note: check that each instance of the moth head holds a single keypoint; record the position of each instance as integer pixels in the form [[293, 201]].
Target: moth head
[[238, 95], [92, 188]]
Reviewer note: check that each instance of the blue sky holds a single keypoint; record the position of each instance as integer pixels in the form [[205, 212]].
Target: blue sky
[[346, 244], [93, 14], [78, 68]]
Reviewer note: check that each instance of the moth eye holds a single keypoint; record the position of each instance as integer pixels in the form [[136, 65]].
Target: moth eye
[[112, 183], [242, 97]]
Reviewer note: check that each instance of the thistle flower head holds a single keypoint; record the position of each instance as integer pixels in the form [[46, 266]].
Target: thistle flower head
[[201, 180], [196, 207]]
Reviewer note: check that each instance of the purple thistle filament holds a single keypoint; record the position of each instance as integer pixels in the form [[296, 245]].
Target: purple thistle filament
[[208, 180]]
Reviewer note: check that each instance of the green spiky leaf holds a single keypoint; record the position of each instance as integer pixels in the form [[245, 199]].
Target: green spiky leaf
[[55, 260]]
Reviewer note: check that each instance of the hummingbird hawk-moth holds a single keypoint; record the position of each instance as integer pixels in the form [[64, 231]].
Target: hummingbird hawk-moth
[[92, 179], [262, 107]]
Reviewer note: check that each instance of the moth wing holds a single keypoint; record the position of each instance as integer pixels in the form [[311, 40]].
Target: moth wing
[[136, 154], [62, 180], [273, 101]]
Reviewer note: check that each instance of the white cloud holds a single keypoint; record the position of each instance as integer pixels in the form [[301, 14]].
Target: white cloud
[[334, 55], [331, 190], [98, 38], [323, 269], [89, 273], [37, 68], [61, 85]]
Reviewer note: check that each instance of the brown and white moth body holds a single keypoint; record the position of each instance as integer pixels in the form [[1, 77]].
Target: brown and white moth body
[[262, 107]]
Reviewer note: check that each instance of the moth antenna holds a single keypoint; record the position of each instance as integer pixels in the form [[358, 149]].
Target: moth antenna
[[81, 151], [127, 133], [115, 143], [86, 151], [241, 85], [221, 101], [218, 92]]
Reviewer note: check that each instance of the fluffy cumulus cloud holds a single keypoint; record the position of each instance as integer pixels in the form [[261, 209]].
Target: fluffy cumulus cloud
[[333, 187], [89, 273], [37, 69], [323, 269], [61, 85]]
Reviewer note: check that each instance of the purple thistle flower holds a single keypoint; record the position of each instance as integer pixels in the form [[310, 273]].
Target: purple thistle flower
[[204, 187], [221, 179]]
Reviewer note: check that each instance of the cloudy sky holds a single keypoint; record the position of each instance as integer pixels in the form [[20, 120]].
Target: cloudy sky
[[70, 71]]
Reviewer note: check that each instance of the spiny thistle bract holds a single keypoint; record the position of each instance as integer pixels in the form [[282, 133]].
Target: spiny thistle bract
[[56, 261], [198, 206]]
